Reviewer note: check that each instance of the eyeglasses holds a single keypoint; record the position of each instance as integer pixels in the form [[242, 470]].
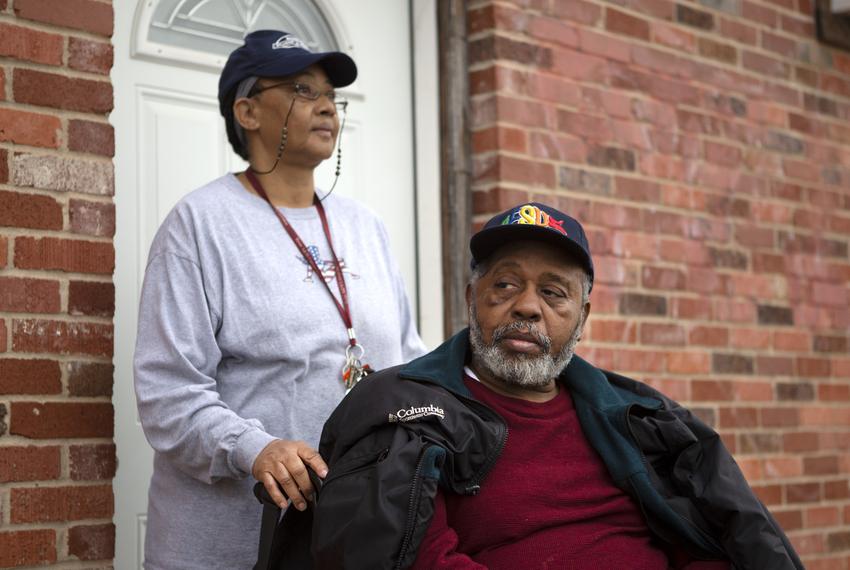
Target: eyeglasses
[[304, 91]]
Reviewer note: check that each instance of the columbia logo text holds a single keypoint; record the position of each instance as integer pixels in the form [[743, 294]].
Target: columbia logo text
[[415, 413]]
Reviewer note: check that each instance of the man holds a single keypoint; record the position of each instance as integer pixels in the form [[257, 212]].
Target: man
[[502, 449]]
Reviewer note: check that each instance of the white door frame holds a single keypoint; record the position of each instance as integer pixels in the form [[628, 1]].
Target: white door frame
[[426, 128]]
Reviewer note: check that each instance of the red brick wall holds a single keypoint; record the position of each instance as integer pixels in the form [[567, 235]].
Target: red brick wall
[[57, 220], [706, 148]]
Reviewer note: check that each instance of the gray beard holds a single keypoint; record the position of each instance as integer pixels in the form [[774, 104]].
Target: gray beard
[[524, 370]]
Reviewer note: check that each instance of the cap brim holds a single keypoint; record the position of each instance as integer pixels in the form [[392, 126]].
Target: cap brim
[[484, 243], [340, 68]]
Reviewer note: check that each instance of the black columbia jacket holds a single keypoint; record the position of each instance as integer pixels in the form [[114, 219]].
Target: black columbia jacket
[[403, 431]]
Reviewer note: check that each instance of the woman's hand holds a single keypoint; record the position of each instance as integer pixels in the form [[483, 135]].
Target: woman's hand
[[284, 461]]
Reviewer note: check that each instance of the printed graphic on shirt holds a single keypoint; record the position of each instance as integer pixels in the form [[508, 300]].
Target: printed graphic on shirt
[[326, 266], [416, 413]]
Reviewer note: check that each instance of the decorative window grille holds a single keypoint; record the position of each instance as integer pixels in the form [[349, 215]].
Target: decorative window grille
[[204, 32]]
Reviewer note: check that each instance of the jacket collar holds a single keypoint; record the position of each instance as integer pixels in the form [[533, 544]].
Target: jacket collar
[[593, 387], [444, 366]]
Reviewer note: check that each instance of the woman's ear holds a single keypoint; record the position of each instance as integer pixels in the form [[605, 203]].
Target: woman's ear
[[244, 112]]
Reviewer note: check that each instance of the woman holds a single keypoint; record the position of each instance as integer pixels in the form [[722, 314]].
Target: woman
[[262, 302]]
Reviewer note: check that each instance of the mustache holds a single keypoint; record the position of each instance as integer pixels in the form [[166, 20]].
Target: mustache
[[527, 328]]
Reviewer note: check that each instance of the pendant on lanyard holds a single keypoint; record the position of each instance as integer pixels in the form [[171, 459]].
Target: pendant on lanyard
[[353, 370]]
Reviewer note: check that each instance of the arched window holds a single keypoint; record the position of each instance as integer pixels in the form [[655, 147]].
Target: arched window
[[204, 32]]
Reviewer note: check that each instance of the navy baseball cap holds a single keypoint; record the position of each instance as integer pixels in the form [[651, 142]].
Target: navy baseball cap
[[533, 221], [272, 53]]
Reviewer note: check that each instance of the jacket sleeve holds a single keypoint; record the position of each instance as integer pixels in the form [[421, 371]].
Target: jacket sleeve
[[709, 475], [175, 364], [438, 547], [750, 533]]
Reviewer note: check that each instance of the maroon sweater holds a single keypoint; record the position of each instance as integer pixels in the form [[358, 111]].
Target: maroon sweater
[[549, 502]]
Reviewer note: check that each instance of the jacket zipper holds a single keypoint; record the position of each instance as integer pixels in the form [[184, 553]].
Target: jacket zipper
[[380, 456], [411, 505], [475, 483]]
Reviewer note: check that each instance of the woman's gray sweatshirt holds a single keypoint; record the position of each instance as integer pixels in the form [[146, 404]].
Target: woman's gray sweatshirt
[[239, 343]]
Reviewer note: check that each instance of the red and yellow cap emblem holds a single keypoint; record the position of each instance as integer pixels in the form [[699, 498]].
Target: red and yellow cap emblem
[[532, 215]]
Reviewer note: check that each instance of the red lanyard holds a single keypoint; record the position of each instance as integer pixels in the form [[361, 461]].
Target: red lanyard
[[344, 311]]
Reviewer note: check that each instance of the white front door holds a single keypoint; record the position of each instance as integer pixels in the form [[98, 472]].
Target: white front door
[[170, 139]]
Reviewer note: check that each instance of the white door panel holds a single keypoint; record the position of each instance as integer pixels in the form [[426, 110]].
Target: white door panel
[[174, 130], [171, 139]]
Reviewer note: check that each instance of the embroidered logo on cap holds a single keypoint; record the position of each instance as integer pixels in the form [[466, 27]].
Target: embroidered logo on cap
[[534, 216], [416, 413], [289, 42]]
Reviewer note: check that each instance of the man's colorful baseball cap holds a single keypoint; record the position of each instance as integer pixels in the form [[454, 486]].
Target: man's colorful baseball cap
[[533, 221]]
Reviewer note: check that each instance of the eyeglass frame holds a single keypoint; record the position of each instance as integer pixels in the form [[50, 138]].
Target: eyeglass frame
[[339, 104]]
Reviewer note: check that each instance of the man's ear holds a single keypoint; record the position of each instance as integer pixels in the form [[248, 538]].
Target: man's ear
[[468, 295], [585, 312], [245, 114]]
